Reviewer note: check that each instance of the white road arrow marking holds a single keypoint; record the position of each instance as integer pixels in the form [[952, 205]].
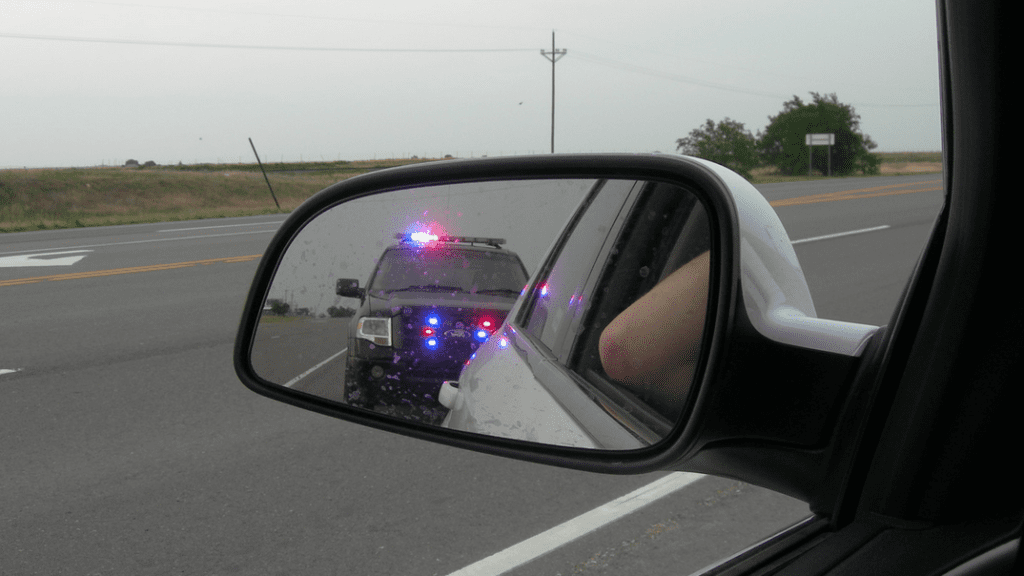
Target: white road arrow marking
[[42, 259]]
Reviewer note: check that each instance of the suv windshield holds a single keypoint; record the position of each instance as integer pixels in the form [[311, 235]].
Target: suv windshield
[[449, 269]]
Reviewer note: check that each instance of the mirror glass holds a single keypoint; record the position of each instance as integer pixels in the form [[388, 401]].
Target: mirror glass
[[558, 311]]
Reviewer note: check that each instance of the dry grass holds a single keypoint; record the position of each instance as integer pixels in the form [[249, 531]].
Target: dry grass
[[893, 164], [912, 168], [77, 197]]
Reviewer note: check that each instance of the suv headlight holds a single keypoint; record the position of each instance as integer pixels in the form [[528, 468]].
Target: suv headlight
[[376, 330]]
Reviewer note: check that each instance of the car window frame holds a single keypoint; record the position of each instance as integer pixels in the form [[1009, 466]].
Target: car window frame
[[635, 415], [556, 346], [666, 264]]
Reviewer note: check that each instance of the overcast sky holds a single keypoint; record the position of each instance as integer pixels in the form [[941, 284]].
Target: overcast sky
[[85, 83]]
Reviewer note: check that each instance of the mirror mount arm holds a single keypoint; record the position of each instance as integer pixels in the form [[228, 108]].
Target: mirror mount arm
[[779, 380]]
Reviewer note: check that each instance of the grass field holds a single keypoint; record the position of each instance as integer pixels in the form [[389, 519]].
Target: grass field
[[41, 199]]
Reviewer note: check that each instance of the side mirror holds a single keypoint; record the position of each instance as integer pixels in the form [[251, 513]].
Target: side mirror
[[349, 287], [663, 298]]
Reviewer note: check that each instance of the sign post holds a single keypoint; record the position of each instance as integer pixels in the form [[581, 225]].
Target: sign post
[[813, 140]]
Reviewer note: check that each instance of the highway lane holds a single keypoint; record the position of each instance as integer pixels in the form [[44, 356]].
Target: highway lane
[[858, 278], [137, 451], [73, 254], [124, 297], [306, 354], [132, 448]]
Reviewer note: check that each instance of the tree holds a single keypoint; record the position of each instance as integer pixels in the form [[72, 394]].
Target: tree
[[727, 143], [278, 308], [783, 143], [340, 311]]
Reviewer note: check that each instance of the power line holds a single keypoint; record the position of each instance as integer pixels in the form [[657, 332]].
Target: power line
[[863, 105], [554, 55], [674, 77], [319, 17], [716, 86], [248, 46]]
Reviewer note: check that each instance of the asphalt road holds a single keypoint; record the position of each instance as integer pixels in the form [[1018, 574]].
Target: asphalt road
[[131, 448]]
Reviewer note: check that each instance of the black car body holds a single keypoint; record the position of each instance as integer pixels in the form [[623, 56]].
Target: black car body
[[428, 305]]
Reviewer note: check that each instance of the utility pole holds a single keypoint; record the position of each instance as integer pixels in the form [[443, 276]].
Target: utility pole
[[554, 55]]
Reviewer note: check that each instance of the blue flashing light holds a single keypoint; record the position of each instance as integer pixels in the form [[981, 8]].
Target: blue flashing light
[[434, 321], [431, 343], [423, 237], [482, 335]]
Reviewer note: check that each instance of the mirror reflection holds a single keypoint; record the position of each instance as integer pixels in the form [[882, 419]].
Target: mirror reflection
[[565, 312]]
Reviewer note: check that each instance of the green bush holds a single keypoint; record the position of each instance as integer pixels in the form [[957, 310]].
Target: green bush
[[727, 143], [783, 142]]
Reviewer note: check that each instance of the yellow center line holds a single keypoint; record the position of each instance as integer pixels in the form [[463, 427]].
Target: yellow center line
[[133, 270], [860, 193]]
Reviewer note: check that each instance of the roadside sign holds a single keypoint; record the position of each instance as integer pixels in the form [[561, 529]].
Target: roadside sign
[[820, 139]]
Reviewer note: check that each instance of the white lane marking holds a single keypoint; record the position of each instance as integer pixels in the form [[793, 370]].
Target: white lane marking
[[222, 226], [9, 371], [532, 548], [295, 380], [153, 240], [840, 234], [39, 259]]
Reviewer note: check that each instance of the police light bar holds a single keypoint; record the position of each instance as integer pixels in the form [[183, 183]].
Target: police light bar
[[426, 237]]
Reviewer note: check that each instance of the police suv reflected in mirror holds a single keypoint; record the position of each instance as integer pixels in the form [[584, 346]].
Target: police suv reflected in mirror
[[564, 312]]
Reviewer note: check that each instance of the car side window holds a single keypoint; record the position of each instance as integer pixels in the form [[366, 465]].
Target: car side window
[[668, 229], [558, 295], [627, 242]]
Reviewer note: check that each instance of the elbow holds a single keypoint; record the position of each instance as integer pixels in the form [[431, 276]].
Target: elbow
[[615, 359]]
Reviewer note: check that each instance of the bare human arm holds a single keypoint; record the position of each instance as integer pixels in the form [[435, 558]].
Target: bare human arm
[[653, 345]]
